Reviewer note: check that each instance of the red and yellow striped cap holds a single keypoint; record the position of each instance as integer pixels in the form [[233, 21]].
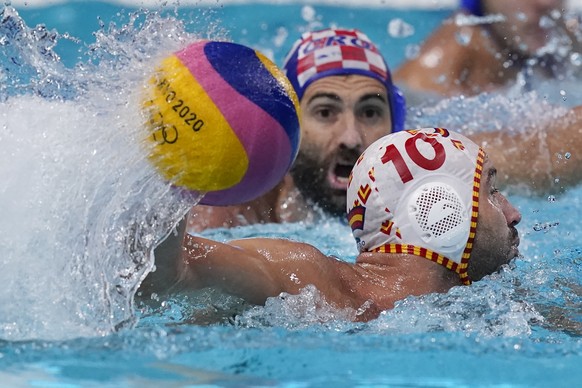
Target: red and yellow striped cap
[[417, 192]]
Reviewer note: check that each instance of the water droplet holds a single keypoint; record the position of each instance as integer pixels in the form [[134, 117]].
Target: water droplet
[[412, 51], [546, 22], [545, 226], [398, 28], [294, 278], [280, 37], [576, 59], [308, 13], [463, 38], [556, 14]]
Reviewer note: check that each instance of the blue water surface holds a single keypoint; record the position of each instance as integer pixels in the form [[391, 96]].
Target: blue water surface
[[520, 327], [270, 28]]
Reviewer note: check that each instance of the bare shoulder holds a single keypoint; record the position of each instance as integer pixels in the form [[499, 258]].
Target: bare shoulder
[[300, 261], [439, 63], [275, 249]]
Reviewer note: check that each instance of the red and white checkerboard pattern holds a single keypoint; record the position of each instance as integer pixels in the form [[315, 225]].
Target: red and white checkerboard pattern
[[337, 49]]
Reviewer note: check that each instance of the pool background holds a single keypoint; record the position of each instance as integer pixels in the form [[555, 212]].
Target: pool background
[[496, 332], [269, 28]]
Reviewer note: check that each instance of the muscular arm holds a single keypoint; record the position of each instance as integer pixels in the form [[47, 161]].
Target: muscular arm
[[429, 71], [255, 269], [448, 68], [537, 157]]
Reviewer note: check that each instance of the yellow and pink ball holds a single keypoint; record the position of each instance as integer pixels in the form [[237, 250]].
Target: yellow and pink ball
[[223, 120]]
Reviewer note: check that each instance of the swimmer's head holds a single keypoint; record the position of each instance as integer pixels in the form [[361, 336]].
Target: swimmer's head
[[417, 192], [333, 52]]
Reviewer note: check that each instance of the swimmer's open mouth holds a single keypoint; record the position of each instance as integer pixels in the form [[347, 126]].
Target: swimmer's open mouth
[[339, 176]]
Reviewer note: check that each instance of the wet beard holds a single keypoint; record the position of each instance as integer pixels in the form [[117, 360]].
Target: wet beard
[[310, 177]]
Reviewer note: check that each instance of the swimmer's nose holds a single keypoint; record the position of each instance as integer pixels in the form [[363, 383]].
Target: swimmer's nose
[[351, 135], [512, 215]]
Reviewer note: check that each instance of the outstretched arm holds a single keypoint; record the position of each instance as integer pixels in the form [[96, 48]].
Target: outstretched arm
[[546, 160], [258, 268]]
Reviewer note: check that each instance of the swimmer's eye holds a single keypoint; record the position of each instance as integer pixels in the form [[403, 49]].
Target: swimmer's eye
[[372, 108], [372, 114], [324, 112], [494, 190]]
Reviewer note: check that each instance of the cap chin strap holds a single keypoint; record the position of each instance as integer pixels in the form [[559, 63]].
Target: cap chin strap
[[427, 254]]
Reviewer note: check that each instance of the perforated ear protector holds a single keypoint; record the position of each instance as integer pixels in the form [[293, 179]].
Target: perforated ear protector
[[438, 216]]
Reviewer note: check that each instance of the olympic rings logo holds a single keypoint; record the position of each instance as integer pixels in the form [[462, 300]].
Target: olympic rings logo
[[165, 133], [169, 135]]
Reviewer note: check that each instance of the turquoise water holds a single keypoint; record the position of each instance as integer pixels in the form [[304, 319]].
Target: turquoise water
[[74, 184], [271, 29]]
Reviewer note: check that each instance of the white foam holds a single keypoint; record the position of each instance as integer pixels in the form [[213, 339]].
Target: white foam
[[81, 207], [81, 210]]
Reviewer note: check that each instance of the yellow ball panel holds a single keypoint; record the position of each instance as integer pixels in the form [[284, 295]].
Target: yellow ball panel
[[192, 141]]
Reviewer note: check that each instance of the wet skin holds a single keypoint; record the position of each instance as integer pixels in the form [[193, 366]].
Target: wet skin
[[521, 30], [342, 116], [496, 239]]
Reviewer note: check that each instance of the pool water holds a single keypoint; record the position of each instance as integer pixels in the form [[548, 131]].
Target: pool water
[[75, 185]]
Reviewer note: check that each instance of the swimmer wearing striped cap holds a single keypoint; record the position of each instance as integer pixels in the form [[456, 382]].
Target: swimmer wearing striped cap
[[341, 52], [431, 193], [426, 216], [347, 101]]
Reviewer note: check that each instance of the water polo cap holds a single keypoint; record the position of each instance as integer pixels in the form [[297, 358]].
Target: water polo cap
[[329, 52], [473, 6], [417, 192]]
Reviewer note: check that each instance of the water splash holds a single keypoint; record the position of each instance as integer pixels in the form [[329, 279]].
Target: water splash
[[82, 209], [508, 110]]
